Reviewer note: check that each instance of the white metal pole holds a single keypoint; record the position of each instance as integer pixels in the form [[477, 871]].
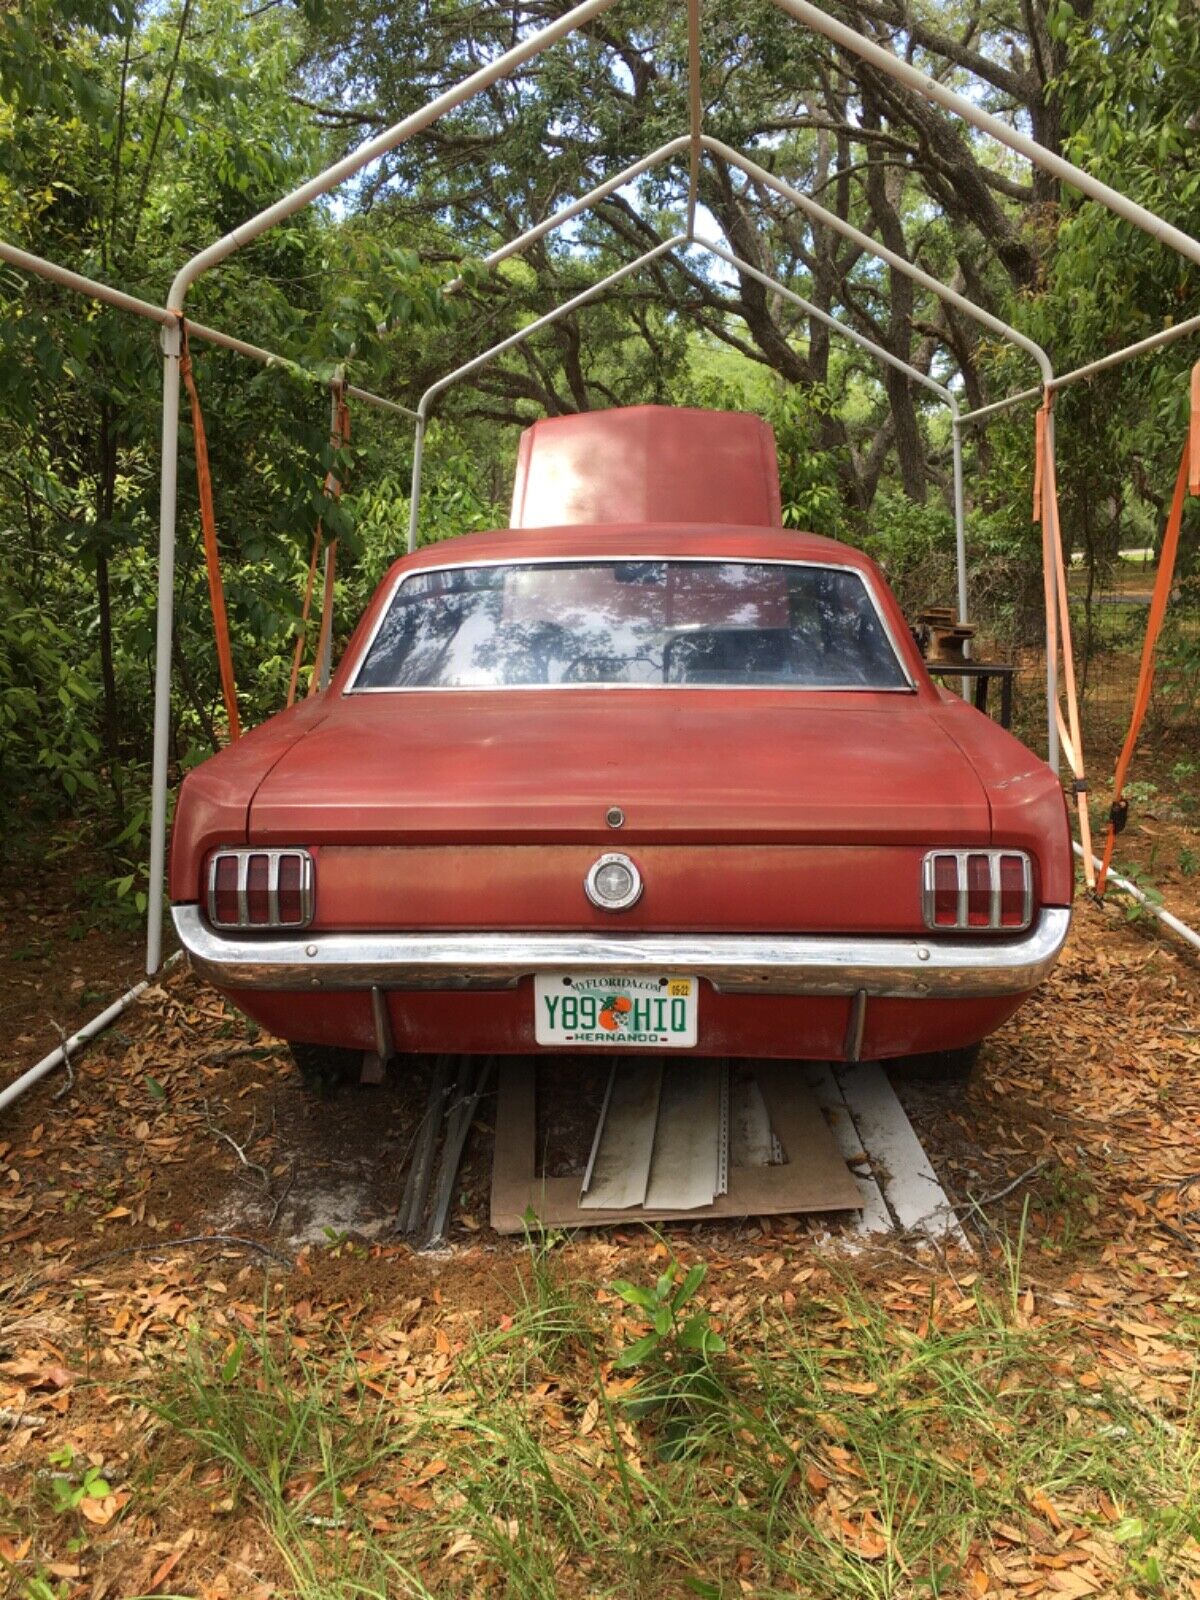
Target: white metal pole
[[64, 1051], [162, 649], [960, 518], [90, 287], [323, 666], [1167, 918], [1164, 336], [960, 535], [414, 493], [1053, 754], [981, 412]]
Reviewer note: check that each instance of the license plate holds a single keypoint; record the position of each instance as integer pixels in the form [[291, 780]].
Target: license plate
[[644, 1013]]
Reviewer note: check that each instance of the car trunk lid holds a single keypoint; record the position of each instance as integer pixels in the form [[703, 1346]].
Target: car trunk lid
[[734, 766]]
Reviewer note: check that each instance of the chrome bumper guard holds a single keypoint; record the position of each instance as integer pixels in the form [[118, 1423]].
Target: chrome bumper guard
[[925, 969]]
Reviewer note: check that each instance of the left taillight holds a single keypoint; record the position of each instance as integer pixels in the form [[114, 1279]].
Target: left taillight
[[260, 889], [986, 891]]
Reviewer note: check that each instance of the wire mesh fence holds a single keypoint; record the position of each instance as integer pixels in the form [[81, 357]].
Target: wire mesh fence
[[1109, 605]]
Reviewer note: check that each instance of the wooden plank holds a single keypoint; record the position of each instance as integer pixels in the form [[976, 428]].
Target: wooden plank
[[685, 1165], [807, 1142], [625, 1144], [873, 1216], [904, 1171], [750, 1140], [514, 1187]]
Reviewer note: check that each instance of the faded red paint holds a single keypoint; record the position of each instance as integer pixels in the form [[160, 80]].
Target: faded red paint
[[639, 464], [770, 810], [783, 1027]]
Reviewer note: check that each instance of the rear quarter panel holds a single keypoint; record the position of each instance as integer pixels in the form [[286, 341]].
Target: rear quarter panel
[[1028, 807], [214, 799]]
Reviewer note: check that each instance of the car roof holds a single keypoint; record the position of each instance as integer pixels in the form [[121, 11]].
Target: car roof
[[641, 539]]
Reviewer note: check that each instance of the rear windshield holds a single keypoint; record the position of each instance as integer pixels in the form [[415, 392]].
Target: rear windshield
[[719, 624]]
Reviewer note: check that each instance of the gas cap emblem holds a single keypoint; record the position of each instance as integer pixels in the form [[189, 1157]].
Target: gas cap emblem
[[613, 883]]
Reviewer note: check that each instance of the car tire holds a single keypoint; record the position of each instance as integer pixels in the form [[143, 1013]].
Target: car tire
[[323, 1067], [945, 1066]]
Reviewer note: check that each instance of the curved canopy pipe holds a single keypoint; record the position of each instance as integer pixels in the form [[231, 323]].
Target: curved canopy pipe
[[664, 153], [914, 374], [856, 338], [820, 213]]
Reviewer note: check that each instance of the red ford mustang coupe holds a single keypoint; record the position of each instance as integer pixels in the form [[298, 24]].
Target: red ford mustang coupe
[[664, 775]]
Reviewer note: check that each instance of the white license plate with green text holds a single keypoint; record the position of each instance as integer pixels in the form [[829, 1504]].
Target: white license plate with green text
[[651, 1012]]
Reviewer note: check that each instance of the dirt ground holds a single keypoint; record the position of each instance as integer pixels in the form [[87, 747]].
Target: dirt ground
[[185, 1180]]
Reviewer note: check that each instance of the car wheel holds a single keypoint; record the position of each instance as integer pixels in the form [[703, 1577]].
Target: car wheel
[[944, 1066], [322, 1067]]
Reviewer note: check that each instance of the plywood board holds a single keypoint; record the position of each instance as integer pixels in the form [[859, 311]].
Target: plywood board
[[813, 1178]]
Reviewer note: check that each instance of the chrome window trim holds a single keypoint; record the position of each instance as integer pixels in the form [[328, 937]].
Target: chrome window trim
[[963, 924], [274, 854], [908, 687], [913, 967]]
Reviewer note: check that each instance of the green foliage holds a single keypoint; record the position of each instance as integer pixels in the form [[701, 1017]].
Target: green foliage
[[914, 545], [677, 1387], [69, 1489], [808, 482], [1137, 910]]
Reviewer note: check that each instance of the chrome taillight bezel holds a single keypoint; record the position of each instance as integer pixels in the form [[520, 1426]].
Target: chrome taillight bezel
[[962, 922], [243, 856]]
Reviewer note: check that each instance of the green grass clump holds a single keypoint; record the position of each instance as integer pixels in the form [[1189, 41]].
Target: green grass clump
[[649, 1441]]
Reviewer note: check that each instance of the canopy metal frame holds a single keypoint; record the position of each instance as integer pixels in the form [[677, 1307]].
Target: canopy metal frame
[[170, 316], [682, 240], [685, 240]]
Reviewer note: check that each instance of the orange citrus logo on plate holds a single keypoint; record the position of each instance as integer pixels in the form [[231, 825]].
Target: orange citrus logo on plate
[[614, 1011]]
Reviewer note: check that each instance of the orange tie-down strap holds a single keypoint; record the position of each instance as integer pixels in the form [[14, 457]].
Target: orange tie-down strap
[[1187, 478], [339, 438], [1058, 622], [212, 554]]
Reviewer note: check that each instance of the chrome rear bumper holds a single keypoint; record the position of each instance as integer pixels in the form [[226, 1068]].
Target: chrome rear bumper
[[962, 968]]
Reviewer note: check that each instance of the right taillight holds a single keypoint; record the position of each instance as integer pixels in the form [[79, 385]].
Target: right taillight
[[984, 890]]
